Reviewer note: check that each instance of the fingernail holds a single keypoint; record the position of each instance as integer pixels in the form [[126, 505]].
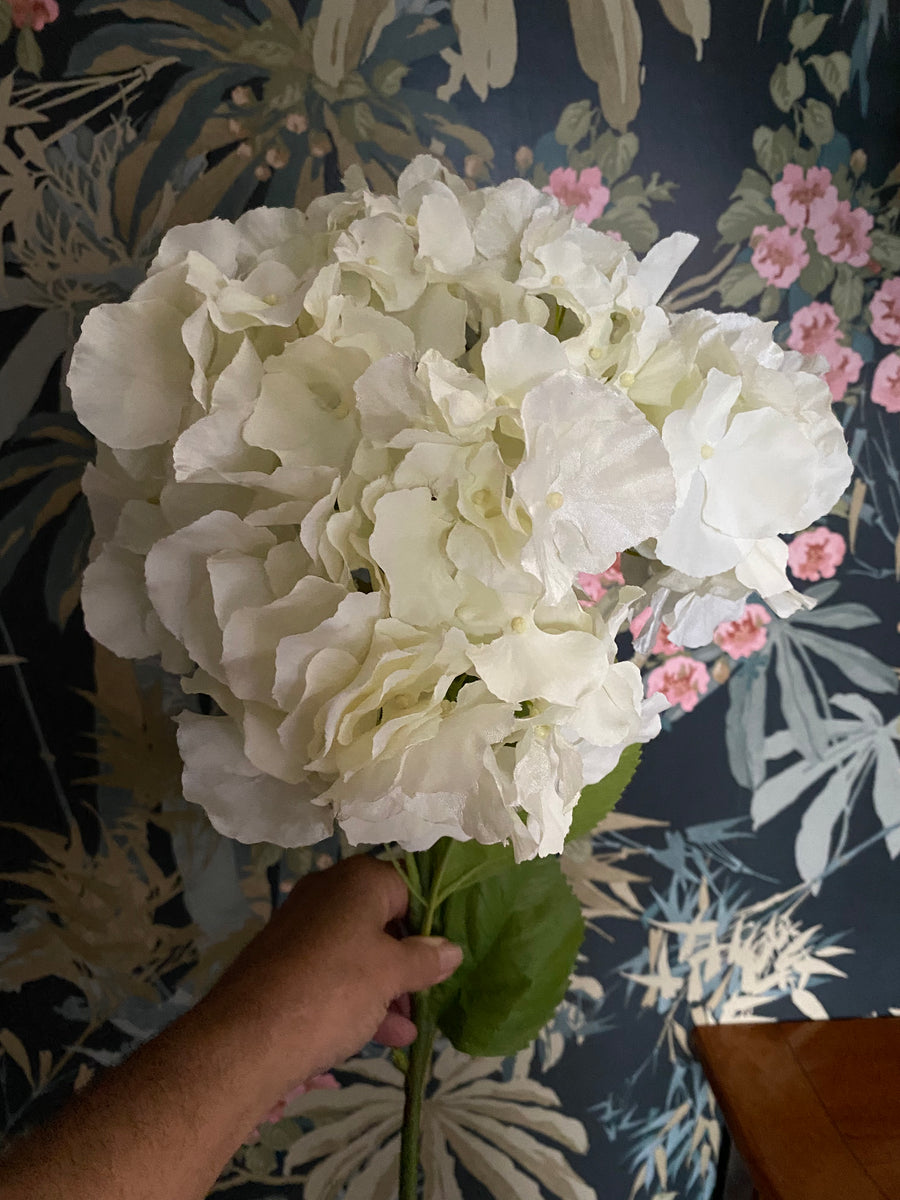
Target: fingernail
[[449, 954]]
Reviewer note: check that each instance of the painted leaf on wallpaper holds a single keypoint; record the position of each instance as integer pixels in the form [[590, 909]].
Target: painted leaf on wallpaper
[[42, 471], [24, 373], [609, 42], [343, 32], [488, 1124], [692, 17], [603, 886], [488, 43], [856, 748]]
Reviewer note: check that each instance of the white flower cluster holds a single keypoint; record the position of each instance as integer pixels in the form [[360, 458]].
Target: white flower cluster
[[351, 462]]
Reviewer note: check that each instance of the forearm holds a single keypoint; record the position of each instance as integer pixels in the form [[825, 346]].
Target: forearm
[[159, 1127]]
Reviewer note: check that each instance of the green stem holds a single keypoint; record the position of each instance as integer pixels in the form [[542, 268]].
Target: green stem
[[416, 1079], [419, 1068]]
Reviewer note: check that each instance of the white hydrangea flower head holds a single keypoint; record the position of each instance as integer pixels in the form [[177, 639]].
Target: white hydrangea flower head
[[351, 462]]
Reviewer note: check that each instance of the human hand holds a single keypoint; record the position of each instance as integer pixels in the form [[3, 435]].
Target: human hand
[[325, 976]]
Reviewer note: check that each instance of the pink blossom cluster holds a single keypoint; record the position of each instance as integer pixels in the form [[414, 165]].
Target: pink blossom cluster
[[682, 680], [815, 330], [816, 553], [746, 635], [809, 200], [886, 383], [885, 309], [662, 645], [584, 191], [595, 587], [33, 14]]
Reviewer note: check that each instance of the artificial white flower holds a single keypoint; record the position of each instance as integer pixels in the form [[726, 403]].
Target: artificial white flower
[[351, 463]]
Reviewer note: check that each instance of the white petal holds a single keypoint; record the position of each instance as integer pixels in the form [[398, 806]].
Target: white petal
[[241, 801], [518, 357], [130, 375], [595, 479]]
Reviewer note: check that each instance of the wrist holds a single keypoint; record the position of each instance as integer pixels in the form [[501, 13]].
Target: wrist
[[246, 1031]]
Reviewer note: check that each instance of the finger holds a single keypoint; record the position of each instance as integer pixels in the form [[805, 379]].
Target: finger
[[396, 1030], [421, 962], [394, 894]]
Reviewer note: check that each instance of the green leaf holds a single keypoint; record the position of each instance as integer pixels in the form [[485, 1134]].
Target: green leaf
[[598, 799], [847, 292], [467, 863], [574, 123], [886, 249], [818, 124], [740, 284], [774, 148], [635, 224], [751, 184], [5, 22], [806, 29], [818, 274], [28, 52], [520, 932], [739, 220], [787, 85], [834, 71], [388, 77], [769, 303], [614, 154]]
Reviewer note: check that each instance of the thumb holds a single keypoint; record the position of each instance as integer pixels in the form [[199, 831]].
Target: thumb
[[425, 961]]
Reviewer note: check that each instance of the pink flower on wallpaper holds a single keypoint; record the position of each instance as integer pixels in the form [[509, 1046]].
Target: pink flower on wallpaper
[[886, 384], [841, 232], [796, 191], [844, 367], [662, 645], [743, 637], [33, 14], [682, 680], [595, 587], [886, 312], [816, 554], [584, 191], [813, 328], [779, 255]]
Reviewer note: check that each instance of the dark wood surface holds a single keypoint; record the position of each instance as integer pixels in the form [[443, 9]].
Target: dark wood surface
[[813, 1106]]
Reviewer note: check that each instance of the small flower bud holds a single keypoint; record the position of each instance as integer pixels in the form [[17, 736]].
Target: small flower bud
[[319, 144], [859, 160], [277, 157], [263, 173], [242, 96], [524, 158], [721, 671], [296, 123], [473, 166]]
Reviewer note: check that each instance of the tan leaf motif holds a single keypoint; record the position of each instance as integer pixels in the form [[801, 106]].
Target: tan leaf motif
[[608, 41], [487, 42], [342, 31], [692, 17]]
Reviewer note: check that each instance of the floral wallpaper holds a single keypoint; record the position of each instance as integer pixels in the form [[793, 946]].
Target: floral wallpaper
[[749, 874]]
